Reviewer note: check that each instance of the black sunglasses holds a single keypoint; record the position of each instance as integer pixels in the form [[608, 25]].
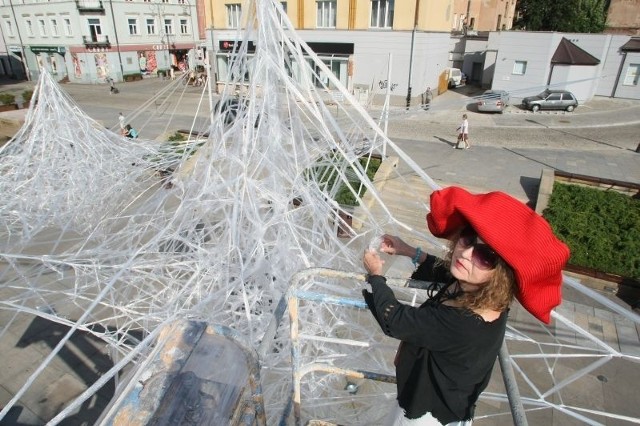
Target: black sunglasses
[[482, 256]]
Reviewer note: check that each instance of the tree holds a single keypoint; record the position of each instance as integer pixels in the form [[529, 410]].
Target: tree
[[577, 16]]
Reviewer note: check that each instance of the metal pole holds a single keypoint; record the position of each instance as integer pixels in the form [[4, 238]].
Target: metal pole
[[115, 32], [386, 107], [517, 409], [413, 37], [24, 55]]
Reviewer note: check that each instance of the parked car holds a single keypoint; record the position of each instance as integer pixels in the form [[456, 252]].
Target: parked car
[[551, 99], [455, 77], [493, 101]]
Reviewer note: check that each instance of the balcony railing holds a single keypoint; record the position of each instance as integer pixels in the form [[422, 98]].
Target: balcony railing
[[90, 6], [96, 41]]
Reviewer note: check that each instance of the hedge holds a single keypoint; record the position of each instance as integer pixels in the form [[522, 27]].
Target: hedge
[[602, 228]]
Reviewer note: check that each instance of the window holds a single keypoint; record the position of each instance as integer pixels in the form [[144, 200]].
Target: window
[[151, 26], [519, 67], [554, 97], [42, 28], [168, 26], [95, 29], [9, 27], [382, 13], [133, 26], [326, 14], [234, 12], [54, 28], [29, 27], [632, 75], [67, 27], [184, 27]]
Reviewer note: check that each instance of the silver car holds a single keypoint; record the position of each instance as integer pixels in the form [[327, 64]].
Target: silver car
[[551, 99], [493, 101]]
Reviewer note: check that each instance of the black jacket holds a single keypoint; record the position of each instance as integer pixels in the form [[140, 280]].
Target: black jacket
[[447, 353]]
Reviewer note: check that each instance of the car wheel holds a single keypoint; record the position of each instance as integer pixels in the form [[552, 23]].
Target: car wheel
[[535, 108], [570, 108]]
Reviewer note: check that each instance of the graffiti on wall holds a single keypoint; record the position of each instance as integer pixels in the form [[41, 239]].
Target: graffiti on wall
[[102, 66], [77, 69], [147, 61]]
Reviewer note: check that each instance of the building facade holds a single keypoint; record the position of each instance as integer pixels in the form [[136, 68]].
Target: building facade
[[88, 41]]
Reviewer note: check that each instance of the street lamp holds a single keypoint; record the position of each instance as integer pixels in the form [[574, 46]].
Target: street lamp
[[186, 10], [163, 29], [24, 56]]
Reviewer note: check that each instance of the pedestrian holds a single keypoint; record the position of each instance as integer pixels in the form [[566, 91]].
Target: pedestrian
[[498, 248], [427, 98], [121, 120], [130, 132], [463, 133]]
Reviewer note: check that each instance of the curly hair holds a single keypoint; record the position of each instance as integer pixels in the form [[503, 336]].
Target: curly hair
[[499, 291]]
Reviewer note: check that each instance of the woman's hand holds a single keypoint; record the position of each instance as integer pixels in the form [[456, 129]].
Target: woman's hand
[[394, 245], [372, 262]]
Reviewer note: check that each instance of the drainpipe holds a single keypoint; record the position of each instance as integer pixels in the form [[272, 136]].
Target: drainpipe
[[615, 85], [24, 55], [115, 31], [413, 37]]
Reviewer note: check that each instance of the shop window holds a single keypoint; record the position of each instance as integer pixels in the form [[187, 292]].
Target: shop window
[[519, 67], [632, 75], [382, 13], [234, 12], [326, 14]]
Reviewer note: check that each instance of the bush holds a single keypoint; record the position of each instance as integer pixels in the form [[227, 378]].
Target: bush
[[132, 77], [177, 137], [602, 228], [27, 95], [344, 195], [7, 99]]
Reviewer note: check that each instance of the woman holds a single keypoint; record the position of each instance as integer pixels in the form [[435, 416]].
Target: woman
[[498, 248], [463, 133], [130, 132]]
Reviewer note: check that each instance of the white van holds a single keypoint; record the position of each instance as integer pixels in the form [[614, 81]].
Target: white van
[[454, 76]]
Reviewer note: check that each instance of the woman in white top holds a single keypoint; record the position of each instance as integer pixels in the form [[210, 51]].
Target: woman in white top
[[463, 133]]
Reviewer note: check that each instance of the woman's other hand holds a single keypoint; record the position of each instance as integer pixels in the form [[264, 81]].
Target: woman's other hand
[[372, 262], [394, 245]]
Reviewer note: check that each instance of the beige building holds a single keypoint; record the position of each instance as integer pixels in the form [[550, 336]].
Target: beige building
[[484, 15], [356, 38], [623, 17]]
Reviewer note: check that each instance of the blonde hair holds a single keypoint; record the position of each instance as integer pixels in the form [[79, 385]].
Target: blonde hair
[[499, 291]]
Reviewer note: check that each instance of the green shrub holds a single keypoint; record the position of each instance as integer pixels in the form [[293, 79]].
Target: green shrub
[[7, 99], [602, 228], [27, 95], [327, 176], [177, 137]]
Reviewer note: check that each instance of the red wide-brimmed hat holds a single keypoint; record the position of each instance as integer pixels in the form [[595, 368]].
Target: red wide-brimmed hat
[[518, 234]]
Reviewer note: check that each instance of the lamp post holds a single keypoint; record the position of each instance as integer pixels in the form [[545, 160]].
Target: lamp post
[[193, 31], [24, 56], [163, 29]]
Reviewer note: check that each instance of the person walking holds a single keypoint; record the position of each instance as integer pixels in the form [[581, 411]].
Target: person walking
[[463, 133], [121, 119], [427, 98], [499, 249]]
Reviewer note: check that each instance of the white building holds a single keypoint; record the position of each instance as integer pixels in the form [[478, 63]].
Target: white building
[[89, 40]]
